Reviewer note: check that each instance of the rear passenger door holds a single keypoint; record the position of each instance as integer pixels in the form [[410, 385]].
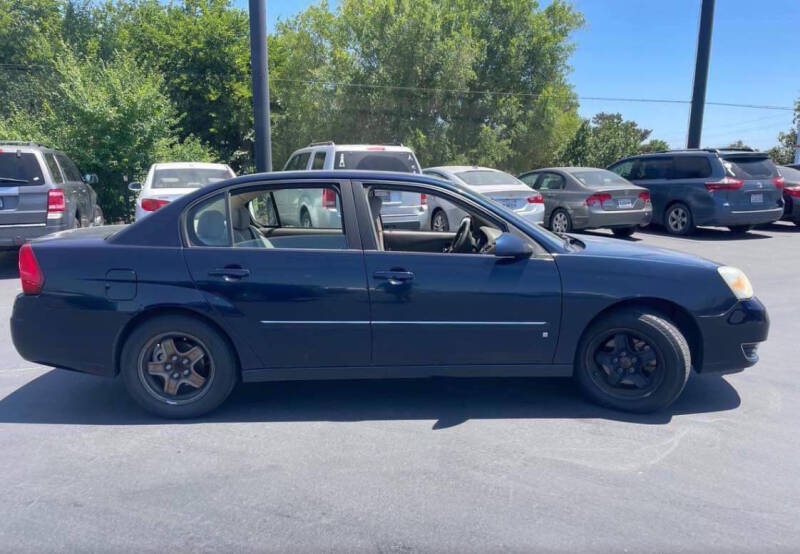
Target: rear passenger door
[[655, 173], [551, 186], [297, 296], [76, 192]]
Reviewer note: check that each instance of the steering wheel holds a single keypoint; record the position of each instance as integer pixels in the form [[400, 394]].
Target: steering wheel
[[462, 235]]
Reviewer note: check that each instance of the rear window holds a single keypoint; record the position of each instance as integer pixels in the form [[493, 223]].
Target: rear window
[[20, 169], [403, 162], [599, 178], [691, 167], [482, 177], [187, 178], [749, 167]]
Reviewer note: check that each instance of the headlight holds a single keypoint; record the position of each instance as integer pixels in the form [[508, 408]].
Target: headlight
[[737, 281]]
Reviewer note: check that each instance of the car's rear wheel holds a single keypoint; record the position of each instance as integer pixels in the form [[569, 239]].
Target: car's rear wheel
[[560, 222], [633, 360], [740, 229], [177, 367], [439, 221], [623, 231], [305, 219], [679, 220]]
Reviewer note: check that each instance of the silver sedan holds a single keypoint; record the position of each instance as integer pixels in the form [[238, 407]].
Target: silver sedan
[[588, 198], [499, 186]]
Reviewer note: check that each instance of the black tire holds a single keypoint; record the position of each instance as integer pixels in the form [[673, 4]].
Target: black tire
[[560, 221], [623, 231], [740, 229], [305, 219], [439, 219], [678, 219], [220, 369], [664, 345]]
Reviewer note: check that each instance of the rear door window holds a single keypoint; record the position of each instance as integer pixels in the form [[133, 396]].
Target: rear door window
[[530, 179], [319, 160], [71, 172], [55, 171], [691, 167], [654, 168], [20, 169], [551, 181], [750, 167], [625, 169]]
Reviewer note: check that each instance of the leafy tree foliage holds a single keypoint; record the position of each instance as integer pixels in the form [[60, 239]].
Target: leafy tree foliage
[[783, 153], [605, 139]]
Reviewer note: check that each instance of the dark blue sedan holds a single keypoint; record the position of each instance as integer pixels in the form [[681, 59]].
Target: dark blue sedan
[[218, 287]]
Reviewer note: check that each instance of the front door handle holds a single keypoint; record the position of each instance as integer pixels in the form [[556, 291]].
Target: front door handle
[[394, 276], [232, 273]]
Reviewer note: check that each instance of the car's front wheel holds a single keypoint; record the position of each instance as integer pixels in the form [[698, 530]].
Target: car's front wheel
[[633, 360], [177, 367]]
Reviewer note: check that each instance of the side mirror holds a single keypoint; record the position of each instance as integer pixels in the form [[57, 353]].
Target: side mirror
[[136, 186], [91, 178], [511, 246]]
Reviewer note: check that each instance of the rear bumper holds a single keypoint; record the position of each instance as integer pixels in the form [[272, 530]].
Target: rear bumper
[[730, 340], [620, 218], [532, 213], [14, 236], [413, 222], [47, 333], [725, 216]]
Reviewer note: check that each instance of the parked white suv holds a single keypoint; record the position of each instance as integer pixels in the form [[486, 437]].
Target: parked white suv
[[499, 186], [406, 210], [167, 181]]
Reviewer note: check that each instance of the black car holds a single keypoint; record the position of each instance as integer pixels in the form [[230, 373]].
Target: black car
[[688, 188], [216, 288], [791, 193]]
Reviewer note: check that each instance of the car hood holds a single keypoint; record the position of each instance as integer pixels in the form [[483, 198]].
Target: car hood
[[616, 248]]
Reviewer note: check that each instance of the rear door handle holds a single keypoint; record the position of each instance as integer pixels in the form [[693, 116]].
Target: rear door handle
[[230, 273], [394, 276]]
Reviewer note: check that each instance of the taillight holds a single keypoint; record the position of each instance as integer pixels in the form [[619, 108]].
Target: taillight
[[779, 182], [792, 191], [152, 204], [727, 183], [645, 196], [56, 203], [423, 199], [537, 198], [597, 199], [328, 198], [29, 271]]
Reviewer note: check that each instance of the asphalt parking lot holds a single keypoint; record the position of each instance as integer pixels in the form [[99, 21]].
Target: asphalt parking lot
[[432, 465]]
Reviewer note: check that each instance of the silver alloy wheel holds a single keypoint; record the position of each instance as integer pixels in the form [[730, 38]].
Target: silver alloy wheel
[[559, 222], [439, 222], [678, 219]]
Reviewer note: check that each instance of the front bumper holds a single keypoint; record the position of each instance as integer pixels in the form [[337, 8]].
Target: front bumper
[[730, 339]]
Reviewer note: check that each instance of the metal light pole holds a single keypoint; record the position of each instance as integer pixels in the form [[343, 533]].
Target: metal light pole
[[260, 72], [701, 74]]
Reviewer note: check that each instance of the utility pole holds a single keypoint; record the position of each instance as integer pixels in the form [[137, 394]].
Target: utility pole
[[260, 73], [701, 74]]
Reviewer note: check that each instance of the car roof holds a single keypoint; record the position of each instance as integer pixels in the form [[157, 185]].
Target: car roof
[[568, 169], [189, 165], [355, 147], [26, 147], [459, 168]]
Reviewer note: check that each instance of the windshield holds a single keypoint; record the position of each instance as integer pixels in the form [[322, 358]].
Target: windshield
[[400, 161], [22, 168], [747, 167], [188, 178], [485, 177], [599, 178]]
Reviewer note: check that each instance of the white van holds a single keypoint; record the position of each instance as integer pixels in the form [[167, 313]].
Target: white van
[[401, 210]]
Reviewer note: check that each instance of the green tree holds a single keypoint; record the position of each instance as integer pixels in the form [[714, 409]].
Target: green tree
[[783, 153], [605, 139], [113, 118]]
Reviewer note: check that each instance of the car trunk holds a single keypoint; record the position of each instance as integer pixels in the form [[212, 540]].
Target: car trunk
[[620, 197], [758, 191], [23, 194], [513, 196]]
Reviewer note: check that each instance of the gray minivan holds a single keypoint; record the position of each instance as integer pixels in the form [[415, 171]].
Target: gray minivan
[[727, 187], [41, 191]]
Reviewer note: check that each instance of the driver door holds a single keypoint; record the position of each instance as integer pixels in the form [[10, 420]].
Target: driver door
[[441, 308]]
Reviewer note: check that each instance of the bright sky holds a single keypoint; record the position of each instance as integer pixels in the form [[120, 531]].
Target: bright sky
[[646, 49]]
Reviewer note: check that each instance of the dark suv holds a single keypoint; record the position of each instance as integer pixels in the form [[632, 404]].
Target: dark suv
[[732, 188], [41, 191]]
